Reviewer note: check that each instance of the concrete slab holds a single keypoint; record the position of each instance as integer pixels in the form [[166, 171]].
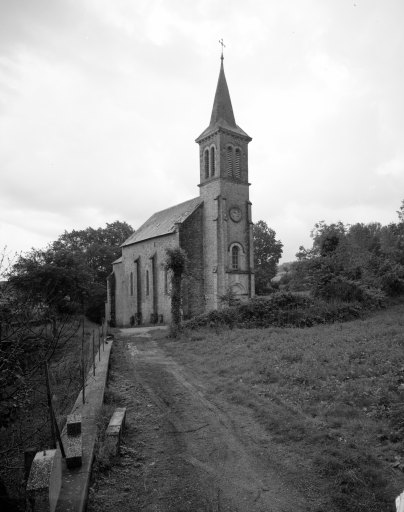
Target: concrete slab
[[113, 434], [73, 424], [74, 451], [118, 418], [133, 331], [400, 503], [44, 482]]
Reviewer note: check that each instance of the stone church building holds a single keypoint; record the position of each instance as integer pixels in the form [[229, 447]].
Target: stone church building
[[214, 229]]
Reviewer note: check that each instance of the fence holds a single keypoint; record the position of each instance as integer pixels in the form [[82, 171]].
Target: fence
[[42, 369]]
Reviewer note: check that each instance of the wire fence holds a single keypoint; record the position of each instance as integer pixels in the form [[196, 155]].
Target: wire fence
[[43, 368]]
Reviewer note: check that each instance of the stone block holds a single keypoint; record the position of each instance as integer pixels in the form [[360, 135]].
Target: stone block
[[73, 424], [44, 482], [400, 503], [118, 418], [114, 431], [74, 451]]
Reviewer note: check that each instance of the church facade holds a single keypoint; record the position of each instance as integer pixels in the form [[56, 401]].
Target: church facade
[[214, 229]]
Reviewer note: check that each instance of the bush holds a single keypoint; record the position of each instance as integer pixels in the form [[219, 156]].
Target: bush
[[391, 278], [282, 309], [338, 287]]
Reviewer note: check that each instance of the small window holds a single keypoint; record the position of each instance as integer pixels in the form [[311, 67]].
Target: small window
[[237, 170], [212, 161], [229, 161], [206, 163], [147, 283], [131, 283], [235, 257]]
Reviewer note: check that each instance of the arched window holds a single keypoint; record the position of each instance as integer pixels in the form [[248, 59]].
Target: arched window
[[235, 250], [212, 161], [229, 161], [131, 283], [147, 283], [206, 162], [237, 170]]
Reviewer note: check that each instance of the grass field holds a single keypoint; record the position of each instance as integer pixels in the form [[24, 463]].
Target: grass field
[[332, 396]]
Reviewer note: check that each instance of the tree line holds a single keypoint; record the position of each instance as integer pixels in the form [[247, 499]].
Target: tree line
[[358, 262], [69, 276], [362, 262]]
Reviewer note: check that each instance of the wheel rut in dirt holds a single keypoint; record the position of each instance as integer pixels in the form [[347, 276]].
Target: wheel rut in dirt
[[219, 451]]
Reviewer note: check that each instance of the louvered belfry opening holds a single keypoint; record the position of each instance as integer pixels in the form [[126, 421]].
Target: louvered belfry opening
[[237, 169], [212, 161], [229, 161], [206, 163]]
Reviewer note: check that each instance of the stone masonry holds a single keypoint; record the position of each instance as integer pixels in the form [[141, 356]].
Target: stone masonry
[[214, 229]]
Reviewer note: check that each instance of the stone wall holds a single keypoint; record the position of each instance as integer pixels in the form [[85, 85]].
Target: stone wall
[[117, 269], [210, 192], [192, 241], [220, 233], [137, 261]]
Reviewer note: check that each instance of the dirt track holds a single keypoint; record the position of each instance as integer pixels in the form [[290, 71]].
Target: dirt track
[[183, 451]]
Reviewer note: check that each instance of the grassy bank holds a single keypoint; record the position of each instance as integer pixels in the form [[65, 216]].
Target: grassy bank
[[330, 395]]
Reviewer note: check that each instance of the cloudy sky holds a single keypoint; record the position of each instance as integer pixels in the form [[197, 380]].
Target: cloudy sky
[[101, 100]]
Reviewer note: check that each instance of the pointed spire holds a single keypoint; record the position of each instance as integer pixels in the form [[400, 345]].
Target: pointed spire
[[222, 108], [222, 111]]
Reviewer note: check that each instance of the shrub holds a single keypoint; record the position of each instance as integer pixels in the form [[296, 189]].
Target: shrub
[[282, 309], [339, 287], [391, 278]]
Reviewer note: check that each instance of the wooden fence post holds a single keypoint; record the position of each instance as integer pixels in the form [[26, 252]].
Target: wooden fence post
[[93, 356], [82, 363]]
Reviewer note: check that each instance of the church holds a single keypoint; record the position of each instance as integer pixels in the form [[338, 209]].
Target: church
[[214, 229]]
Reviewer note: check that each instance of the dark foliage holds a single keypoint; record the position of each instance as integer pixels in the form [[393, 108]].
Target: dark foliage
[[58, 279], [282, 309], [176, 263], [267, 252], [362, 262], [70, 275]]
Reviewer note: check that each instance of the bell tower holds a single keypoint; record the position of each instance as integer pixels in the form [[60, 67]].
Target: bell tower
[[224, 188]]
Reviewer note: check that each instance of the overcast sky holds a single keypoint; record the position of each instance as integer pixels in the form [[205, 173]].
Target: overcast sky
[[101, 101]]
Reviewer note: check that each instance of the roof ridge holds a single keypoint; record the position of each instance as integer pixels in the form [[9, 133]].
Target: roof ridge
[[164, 221]]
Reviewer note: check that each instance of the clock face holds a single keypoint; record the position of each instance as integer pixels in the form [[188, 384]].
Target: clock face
[[235, 214]]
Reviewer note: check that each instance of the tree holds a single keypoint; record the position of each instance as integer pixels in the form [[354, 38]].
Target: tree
[[326, 237], [176, 263], [267, 253], [56, 279], [29, 335], [100, 247], [360, 262], [72, 271], [400, 213]]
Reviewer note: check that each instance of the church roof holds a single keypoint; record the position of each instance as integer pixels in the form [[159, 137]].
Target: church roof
[[222, 111], [164, 222]]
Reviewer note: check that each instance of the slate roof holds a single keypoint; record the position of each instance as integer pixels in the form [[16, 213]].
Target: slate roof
[[222, 111], [164, 222]]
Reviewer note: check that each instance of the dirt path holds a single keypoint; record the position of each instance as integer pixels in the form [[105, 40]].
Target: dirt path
[[182, 451]]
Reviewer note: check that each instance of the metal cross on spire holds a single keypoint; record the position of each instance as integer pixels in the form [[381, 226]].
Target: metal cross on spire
[[223, 46]]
